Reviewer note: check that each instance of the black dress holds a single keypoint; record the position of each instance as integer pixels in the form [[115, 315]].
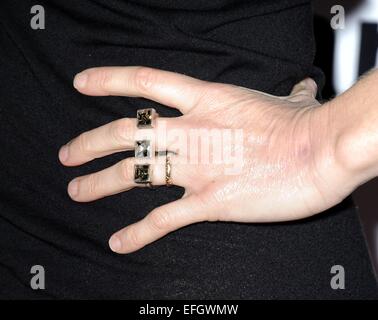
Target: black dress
[[261, 44]]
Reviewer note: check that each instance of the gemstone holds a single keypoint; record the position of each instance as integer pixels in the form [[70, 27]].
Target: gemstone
[[144, 118], [142, 173], [142, 149]]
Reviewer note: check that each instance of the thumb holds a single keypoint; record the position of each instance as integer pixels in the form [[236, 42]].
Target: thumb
[[306, 87]]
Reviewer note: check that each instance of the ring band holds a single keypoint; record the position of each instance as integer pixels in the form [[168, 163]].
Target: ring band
[[164, 153], [168, 170]]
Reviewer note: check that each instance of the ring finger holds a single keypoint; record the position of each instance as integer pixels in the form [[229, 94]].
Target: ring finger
[[120, 177]]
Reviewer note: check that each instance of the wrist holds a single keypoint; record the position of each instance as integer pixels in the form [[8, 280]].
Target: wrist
[[354, 135]]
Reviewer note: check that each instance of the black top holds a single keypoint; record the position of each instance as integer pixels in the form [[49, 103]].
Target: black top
[[265, 45]]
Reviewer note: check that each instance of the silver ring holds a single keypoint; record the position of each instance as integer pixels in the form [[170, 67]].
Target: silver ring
[[143, 149]]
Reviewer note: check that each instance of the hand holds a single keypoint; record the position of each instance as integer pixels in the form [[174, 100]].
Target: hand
[[289, 170]]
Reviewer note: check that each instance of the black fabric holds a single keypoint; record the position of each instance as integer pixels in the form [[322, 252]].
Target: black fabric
[[264, 45]]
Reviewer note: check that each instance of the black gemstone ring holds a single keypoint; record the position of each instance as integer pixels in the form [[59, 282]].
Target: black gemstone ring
[[143, 174], [146, 117], [143, 148]]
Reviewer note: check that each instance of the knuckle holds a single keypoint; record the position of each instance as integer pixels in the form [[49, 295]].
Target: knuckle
[[126, 171], [160, 220], [213, 93], [92, 184], [84, 143], [223, 89], [104, 79], [144, 78], [133, 238], [121, 131], [216, 89]]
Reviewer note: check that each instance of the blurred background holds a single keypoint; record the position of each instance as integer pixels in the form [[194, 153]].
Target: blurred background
[[345, 54]]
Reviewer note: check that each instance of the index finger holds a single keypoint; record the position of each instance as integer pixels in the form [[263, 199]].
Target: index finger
[[168, 88]]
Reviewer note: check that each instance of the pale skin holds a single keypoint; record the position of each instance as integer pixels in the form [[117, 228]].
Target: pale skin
[[304, 157]]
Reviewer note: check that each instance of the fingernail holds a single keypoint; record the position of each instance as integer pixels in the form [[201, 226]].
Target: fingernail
[[115, 244], [63, 153], [73, 188], [80, 80]]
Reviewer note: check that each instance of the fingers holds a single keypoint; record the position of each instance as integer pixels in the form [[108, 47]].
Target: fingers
[[168, 88], [110, 138], [120, 177], [160, 222], [306, 87], [116, 136]]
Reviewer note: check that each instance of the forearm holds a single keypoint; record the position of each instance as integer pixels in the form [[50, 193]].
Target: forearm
[[353, 117]]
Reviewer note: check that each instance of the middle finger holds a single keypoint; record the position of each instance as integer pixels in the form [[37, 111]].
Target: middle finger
[[116, 136]]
